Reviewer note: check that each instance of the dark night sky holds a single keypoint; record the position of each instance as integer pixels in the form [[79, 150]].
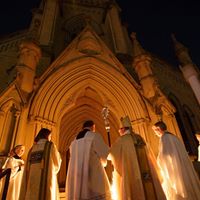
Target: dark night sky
[[152, 21]]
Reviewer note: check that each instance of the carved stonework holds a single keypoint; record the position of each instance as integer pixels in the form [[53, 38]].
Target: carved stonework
[[69, 101], [161, 105], [88, 44], [29, 56], [45, 122], [150, 87], [107, 102], [2, 113], [34, 31]]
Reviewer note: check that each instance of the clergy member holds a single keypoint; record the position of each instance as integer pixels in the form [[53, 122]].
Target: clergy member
[[16, 164], [40, 174], [86, 176], [180, 180], [134, 176]]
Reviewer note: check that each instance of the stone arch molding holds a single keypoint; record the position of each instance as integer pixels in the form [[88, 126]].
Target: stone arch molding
[[8, 103], [10, 110], [68, 81], [60, 91]]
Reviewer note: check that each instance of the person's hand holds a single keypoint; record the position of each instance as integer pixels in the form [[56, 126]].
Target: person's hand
[[20, 162]]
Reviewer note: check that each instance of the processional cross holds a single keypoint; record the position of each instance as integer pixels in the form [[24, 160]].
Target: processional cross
[[105, 113]]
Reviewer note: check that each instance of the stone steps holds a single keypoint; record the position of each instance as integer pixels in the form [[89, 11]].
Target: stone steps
[[62, 193]]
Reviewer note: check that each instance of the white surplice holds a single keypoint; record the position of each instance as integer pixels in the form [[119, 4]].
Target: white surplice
[[15, 177], [180, 180], [86, 177]]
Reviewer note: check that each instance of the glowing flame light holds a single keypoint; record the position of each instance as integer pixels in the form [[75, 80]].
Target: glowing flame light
[[114, 185], [171, 186], [113, 192]]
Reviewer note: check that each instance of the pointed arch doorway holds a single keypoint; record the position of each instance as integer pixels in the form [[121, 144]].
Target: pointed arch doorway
[[88, 105], [78, 91]]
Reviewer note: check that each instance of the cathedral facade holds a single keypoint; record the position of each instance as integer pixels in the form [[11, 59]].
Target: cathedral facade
[[75, 59]]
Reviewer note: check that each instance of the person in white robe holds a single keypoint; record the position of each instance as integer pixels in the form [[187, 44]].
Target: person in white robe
[[16, 164], [86, 176], [180, 180], [134, 176], [43, 164]]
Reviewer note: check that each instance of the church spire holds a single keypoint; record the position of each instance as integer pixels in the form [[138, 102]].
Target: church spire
[[190, 73], [181, 52]]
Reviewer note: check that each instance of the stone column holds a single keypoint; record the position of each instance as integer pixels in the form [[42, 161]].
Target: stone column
[[29, 56], [142, 66], [8, 127]]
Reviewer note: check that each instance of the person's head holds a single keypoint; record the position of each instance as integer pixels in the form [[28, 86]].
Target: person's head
[[44, 133], [122, 130], [18, 150], [89, 124], [125, 125], [159, 128]]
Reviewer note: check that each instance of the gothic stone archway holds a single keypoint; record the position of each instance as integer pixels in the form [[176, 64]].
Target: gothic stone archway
[[79, 91]]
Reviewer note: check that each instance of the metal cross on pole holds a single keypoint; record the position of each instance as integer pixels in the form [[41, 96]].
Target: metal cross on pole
[[105, 113]]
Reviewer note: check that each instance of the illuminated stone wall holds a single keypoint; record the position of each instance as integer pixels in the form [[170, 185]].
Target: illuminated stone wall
[[83, 76]]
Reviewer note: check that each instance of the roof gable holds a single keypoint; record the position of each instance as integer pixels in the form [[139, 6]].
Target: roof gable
[[86, 44]]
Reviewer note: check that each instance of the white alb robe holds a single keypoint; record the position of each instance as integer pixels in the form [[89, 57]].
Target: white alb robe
[[86, 177], [180, 180], [15, 177]]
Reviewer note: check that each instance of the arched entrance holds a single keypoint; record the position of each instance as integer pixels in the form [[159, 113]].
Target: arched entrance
[[87, 106], [78, 91]]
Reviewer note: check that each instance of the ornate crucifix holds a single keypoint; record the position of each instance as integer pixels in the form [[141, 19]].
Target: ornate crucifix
[[105, 113]]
